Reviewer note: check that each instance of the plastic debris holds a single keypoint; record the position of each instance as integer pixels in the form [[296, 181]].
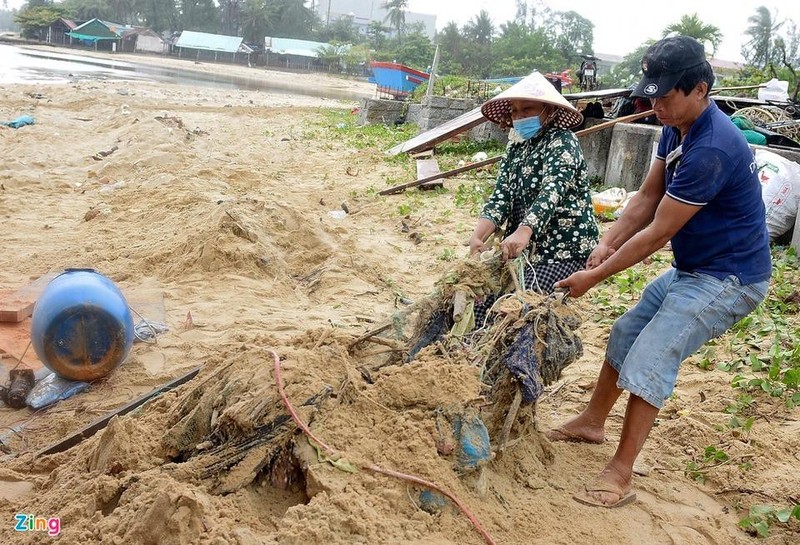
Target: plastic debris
[[146, 330], [21, 121], [432, 502], [608, 201], [473, 442], [53, 388]]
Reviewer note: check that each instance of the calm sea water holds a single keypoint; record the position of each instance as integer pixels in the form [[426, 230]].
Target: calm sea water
[[18, 65], [21, 66]]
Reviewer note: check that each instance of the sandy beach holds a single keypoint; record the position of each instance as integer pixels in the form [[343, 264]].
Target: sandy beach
[[224, 211]]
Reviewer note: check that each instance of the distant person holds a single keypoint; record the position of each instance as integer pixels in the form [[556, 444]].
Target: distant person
[[541, 202], [703, 194]]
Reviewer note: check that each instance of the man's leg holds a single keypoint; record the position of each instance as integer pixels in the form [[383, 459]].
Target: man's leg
[[697, 308], [639, 419], [589, 425]]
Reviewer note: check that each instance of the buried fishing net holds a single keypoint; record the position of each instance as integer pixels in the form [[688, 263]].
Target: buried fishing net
[[525, 344]]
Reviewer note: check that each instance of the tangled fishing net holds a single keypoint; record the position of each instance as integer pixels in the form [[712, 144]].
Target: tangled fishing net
[[780, 120], [527, 341]]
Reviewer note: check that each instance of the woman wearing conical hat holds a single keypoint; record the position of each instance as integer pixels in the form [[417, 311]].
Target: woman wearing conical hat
[[541, 200]]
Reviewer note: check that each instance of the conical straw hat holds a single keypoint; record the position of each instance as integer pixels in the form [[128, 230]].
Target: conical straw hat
[[533, 87]]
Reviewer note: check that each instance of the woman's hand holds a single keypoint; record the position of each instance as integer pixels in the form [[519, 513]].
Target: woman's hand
[[513, 245], [600, 253], [476, 246]]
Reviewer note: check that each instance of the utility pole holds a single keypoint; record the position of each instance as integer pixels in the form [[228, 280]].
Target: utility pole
[[432, 78]]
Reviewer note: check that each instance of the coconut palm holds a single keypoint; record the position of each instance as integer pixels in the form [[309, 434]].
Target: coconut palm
[[480, 28], [763, 29], [691, 25], [396, 14]]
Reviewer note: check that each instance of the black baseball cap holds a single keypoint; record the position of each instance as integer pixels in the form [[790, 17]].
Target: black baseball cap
[[665, 62]]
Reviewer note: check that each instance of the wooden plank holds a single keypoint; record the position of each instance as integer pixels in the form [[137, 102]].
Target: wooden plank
[[746, 101], [427, 168], [447, 174], [599, 93], [473, 118], [101, 423], [19, 305], [495, 159], [447, 130]]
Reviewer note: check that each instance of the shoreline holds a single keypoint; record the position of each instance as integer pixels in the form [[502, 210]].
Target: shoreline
[[246, 78]]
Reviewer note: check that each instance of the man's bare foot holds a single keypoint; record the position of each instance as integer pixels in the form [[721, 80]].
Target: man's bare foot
[[576, 431]]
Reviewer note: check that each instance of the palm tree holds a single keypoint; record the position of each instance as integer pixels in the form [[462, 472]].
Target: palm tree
[[480, 28], [396, 14], [691, 25], [763, 29]]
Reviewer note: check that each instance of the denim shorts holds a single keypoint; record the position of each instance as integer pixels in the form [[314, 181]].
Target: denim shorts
[[677, 314]]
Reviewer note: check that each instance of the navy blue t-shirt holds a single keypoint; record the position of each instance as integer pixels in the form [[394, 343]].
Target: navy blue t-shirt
[[714, 168]]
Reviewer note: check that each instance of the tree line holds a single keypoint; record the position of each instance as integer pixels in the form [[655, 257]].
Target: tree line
[[536, 38]]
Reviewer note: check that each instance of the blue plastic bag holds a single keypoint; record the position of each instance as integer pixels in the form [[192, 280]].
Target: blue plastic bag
[[21, 121], [53, 388]]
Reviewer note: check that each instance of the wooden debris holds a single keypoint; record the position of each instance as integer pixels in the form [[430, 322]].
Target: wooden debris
[[19, 305], [491, 160], [427, 168], [97, 425]]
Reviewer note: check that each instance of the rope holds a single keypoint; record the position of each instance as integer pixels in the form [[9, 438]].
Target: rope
[[371, 467]]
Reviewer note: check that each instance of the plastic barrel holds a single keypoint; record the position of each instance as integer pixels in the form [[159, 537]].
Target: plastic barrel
[[81, 327]]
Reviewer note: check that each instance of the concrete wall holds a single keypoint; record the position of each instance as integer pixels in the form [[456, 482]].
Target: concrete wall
[[387, 112], [438, 110], [629, 154], [624, 155], [489, 131], [595, 148]]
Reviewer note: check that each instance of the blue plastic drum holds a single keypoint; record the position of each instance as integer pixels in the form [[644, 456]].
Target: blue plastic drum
[[82, 327]]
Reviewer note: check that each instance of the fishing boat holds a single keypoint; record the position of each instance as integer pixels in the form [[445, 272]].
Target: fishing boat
[[395, 79]]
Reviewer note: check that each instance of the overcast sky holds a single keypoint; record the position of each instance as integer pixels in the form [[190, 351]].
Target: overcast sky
[[621, 26]]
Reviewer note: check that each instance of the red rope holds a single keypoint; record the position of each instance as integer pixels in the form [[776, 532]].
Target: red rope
[[375, 469]]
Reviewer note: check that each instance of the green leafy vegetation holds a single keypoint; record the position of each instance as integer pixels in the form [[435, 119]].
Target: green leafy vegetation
[[342, 125], [762, 517], [766, 341]]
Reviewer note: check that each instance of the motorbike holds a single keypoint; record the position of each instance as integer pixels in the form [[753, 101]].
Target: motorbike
[[587, 73]]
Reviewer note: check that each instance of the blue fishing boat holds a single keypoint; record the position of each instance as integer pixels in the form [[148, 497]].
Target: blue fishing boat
[[395, 79]]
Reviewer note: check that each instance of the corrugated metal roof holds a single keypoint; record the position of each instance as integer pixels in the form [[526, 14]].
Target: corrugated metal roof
[[209, 42], [289, 46], [97, 29]]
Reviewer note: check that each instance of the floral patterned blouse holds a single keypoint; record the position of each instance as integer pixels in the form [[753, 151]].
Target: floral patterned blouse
[[542, 183]]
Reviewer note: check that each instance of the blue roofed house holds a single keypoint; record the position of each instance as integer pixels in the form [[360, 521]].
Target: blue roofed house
[[291, 53], [99, 34], [203, 45]]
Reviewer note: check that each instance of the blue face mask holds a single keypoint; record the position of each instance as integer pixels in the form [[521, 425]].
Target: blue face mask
[[528, 127]]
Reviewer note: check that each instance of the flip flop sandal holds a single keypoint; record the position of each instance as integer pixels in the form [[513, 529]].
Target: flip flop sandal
[[584, 496]]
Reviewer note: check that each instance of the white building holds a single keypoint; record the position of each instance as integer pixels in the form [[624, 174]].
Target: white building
[[364, 12]]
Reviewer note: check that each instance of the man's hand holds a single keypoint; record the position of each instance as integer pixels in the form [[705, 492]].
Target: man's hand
[[513, 245], [578, 283], [600, 253]]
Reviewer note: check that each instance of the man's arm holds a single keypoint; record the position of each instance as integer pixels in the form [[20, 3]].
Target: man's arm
[[638, 214], [670, 216]]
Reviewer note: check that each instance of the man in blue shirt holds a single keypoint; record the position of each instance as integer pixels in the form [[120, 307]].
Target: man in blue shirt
[[702, 193]]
